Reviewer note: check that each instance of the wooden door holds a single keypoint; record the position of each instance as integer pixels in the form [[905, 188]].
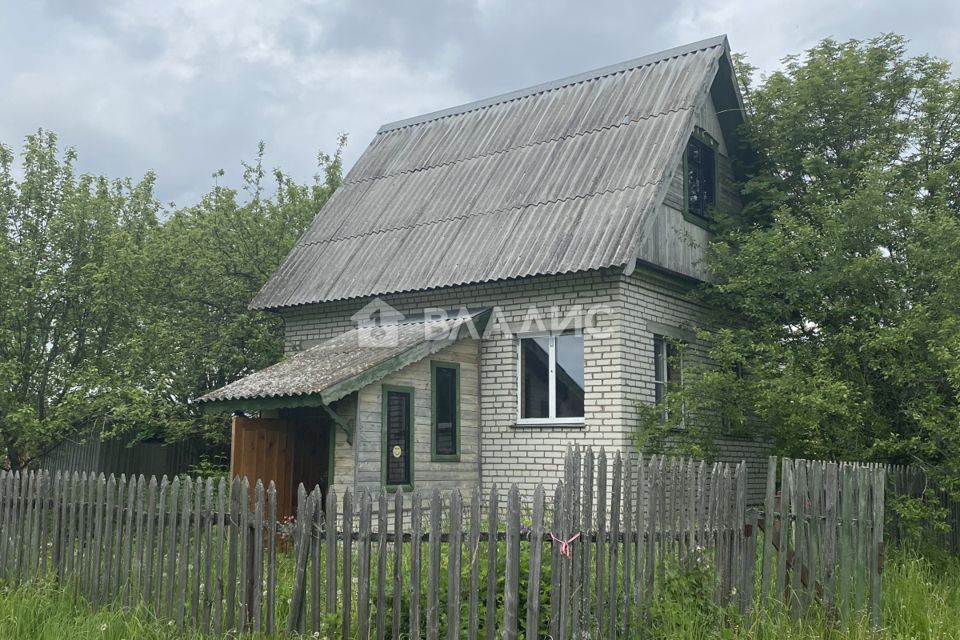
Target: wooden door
[[398, 410], [261, 449]]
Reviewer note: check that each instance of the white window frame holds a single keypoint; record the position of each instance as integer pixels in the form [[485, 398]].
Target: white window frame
[[660, 376], [551, 385]]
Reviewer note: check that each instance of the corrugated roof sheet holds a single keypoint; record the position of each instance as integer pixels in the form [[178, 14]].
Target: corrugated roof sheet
[[337, 361], [552, 179]]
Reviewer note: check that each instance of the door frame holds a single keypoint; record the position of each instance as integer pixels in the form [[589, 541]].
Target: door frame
[[411, 393]]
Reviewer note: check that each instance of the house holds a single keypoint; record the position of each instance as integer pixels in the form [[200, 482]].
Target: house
[[495, 282]]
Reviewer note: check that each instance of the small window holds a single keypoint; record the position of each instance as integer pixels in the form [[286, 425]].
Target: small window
[[551, 378], [701, 185], [446, 411], [667, 368]]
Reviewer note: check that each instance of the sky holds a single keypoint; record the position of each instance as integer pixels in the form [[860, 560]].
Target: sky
[[188, 87]]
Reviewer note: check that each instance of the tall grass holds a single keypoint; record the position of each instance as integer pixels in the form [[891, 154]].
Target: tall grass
[[921, 600]]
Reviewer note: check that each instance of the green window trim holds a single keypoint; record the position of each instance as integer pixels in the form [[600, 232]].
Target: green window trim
[[384, 389], [434, 456], [689, 216]]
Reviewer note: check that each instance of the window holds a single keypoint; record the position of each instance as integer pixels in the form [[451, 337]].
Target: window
[[446, 411], [551, 379], [701, 182], [397, 437], [667, 368]]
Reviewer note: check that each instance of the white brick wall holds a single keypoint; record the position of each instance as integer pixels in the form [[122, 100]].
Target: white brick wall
[[618, 369]]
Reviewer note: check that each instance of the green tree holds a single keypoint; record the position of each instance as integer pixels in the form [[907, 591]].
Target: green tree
[[837, 288], [70, 256], [207, 263], [115, 312]]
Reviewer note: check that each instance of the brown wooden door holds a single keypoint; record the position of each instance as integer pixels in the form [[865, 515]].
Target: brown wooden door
[[261, 449]]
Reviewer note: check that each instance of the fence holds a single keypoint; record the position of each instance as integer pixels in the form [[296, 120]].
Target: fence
[[589, 557], [119, 456], [913, 482]]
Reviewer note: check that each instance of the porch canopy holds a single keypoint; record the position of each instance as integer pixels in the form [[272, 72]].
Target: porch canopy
[[342, 365]]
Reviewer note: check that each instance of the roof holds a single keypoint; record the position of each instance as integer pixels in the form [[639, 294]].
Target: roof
[[550, 179], [344, 364]]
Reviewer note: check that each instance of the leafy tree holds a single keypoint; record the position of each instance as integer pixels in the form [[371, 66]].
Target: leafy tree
[[207, 263], [837, 288], [70, 261], [115, 312]]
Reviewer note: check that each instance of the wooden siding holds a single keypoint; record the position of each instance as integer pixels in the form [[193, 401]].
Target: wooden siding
[[362, 469], [673, 242]]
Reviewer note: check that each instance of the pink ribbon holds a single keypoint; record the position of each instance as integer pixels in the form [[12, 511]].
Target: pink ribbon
[[565, 549]]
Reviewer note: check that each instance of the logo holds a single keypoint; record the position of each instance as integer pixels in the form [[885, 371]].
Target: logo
[[376, 323]]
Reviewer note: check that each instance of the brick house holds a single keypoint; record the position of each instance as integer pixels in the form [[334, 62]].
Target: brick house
[[496, 281]]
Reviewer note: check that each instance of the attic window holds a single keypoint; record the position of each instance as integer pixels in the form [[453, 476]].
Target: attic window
[[701, 179]]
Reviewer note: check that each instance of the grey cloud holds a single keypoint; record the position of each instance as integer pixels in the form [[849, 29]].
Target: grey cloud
[[187, 87]]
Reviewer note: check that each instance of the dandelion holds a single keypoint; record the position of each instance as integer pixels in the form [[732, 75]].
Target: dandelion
[[103, 627]]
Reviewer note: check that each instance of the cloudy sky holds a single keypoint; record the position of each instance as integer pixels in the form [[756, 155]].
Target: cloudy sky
[[186, 87]]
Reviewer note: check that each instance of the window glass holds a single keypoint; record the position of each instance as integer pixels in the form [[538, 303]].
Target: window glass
[[445, 411], [535, 377], [667, 368], [569, 376], [701, 177]]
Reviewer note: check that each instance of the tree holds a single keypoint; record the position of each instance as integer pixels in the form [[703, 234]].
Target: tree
[[837, 288], [70, 257], [207, 263], [115, 312]]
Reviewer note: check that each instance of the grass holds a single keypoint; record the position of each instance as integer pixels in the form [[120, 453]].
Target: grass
[[921, 600]]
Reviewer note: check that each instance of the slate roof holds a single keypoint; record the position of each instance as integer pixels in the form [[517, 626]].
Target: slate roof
[[550, 179], [341, 365]]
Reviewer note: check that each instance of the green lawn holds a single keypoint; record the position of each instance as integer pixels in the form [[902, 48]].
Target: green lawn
[[921, 600]]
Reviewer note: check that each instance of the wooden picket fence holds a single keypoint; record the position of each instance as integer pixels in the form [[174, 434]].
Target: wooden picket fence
[[589, 557]]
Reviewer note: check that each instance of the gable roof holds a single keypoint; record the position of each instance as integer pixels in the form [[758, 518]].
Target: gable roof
[[550, 179]]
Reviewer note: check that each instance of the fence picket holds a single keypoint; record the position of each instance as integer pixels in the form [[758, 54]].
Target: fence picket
[[233, 530], [600, 550], [208, 575], [433, 566], [586, 527], [493, 512], [398, 563], [221, 543], [197, 527], [256, 577], [416, 524], [876, 547], [382, 526], [454, 560], [317, 528], [183, 561], [347, 590], [330, 537], [363, 568], [536, 551], [298, 594], [511, 586]]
